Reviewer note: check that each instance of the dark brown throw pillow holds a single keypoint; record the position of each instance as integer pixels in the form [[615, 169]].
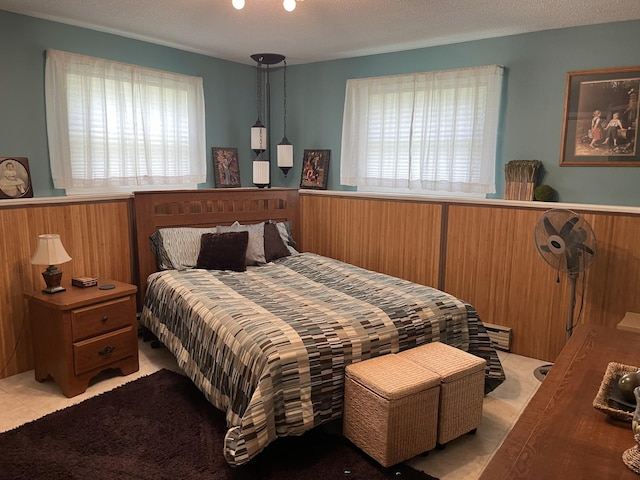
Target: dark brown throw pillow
[[223, 251], [274, 246]]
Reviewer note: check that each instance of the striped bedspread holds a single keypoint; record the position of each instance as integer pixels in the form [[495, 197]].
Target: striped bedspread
[[269, 346]]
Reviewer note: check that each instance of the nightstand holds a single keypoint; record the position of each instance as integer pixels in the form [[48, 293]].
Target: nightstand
[[83, 331]]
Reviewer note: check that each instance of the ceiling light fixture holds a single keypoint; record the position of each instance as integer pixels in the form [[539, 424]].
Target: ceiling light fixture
[[260, 133], [289, 5]]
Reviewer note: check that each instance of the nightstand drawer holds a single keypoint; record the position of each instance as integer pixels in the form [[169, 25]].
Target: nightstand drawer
[[100, 351], [102, 317]]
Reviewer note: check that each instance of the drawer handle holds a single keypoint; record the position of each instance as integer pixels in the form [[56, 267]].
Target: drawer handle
[[106, 351], [104, 319]]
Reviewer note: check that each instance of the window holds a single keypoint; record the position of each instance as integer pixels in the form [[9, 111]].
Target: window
[[425, 132], [113, 126]]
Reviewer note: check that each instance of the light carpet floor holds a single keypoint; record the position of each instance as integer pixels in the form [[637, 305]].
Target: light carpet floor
[[22, 399], [466, 457]]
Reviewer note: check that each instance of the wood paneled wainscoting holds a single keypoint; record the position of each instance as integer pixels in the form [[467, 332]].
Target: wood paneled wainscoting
[[480, 251], [399, 238], [484, 253], [96, 234]]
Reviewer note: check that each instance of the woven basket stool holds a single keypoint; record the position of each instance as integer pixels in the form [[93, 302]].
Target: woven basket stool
[[391, 408], [462, 388]]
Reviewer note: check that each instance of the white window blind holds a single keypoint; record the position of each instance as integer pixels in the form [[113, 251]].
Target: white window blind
[[112, 124], [433, 131]]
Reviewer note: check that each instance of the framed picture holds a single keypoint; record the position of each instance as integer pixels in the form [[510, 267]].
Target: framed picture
[[226, 171], [315, 169], [15, 178], [600, 125]]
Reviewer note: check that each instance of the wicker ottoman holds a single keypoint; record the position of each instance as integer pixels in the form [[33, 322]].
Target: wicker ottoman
[[391, 408], [461, 390]]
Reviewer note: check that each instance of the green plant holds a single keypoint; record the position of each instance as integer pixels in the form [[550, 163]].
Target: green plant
[[544, 193]]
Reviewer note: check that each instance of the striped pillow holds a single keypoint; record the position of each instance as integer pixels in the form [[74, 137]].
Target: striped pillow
[[177, 248]]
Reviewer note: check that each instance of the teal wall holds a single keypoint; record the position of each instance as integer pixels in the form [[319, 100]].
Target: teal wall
[[536, 67], [230, 112]]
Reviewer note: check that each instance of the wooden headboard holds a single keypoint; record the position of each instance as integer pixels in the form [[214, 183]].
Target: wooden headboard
[[205, 208]]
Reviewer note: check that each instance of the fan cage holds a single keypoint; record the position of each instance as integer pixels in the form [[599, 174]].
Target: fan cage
[[565, 240]]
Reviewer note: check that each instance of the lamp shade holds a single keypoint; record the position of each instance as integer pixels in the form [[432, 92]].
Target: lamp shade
[[261, 172], [49, 251], [285, 154], [258, 137]]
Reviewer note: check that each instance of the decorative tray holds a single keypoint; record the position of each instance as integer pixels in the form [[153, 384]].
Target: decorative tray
[[609, 399]]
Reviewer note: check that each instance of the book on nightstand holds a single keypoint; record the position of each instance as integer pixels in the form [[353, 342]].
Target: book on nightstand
[[84, 282]]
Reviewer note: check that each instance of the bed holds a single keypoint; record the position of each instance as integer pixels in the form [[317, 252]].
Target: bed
[[268, 345]]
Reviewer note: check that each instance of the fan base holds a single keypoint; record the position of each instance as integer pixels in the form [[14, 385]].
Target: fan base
[[541, 372]]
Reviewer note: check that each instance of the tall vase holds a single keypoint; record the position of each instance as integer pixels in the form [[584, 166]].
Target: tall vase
[[631, 457]]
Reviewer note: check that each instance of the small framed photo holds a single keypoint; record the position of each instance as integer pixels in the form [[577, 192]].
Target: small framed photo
[[15, 178], [226, 171], [315, 169], [600, 125]]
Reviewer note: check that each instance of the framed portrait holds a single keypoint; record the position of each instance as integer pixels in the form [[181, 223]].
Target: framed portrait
[[315, 169], [15, 178], [226, 171], [600, 126]]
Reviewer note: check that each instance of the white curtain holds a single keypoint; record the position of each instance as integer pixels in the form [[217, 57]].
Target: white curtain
[[111, 124], [433, 131]]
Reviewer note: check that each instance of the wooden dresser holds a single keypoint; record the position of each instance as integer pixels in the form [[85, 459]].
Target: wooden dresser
[[81, 332], [560, 435]]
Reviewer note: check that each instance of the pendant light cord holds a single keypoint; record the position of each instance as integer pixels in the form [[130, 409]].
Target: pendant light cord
[[259, 92], [285, 99]]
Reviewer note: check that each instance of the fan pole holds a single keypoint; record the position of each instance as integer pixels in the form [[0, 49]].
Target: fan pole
[[572, 302]]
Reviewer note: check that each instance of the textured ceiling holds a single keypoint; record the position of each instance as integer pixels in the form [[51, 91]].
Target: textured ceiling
[[320, 30]]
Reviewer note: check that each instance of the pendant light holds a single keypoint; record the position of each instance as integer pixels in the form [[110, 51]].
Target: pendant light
[[285, 149], [259, 138], [259, 133]]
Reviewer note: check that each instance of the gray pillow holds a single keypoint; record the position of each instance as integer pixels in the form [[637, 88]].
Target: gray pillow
[[255, 247]]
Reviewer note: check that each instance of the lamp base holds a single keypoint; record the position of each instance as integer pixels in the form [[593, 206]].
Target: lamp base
[[52, 277], [54, 289]]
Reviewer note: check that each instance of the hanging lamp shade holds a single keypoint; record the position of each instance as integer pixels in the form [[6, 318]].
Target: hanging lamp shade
[[258, 137], [261, 171], [285, 155]]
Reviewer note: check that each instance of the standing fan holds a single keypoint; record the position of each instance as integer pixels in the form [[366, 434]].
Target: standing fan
[[566, 242]]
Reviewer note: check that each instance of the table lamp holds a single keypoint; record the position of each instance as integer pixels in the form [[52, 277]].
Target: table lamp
[[50, 251]]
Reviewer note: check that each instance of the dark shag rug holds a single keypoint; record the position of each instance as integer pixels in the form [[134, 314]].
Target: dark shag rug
[[162, 427]]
